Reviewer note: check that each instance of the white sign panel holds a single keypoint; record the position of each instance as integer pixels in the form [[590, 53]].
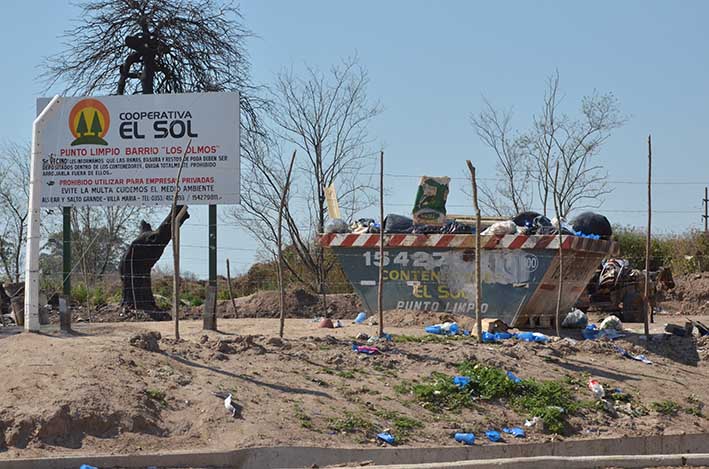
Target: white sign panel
[[126, 150]]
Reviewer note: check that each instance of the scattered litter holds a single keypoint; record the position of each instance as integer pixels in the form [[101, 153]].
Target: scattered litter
[[576, 319], [366, 349], [326, 323], [86, 466], [532, 337], [515, 431], [376, 338], [531, 423], [701, 328], [361, 317], [229, 403], [386, 437], [596, 388], [611, 322], [488, 337], [512, 377], [493, 435], [337, 324], [625, 353], [591, 332], [362, 336], [494, 325], [461, 381], [467, 438], [449, 328], [446, 328], [500, 228], [680, 331]]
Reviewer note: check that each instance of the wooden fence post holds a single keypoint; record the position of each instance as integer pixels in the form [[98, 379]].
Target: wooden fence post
[[478, 280]]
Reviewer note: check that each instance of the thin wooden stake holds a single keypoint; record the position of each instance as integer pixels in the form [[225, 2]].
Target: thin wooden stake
[[175, 221], [557, 202], [380, 281], [478, 279], [231, 293], [648, 307], [279, 269]]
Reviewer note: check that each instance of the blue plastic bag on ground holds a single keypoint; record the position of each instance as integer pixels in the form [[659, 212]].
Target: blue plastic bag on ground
[[493, 435], [488, 337], [433, 329], [512, 377], [361, 317], [386, 437], [467, 438], [461, 381], [86, 466], [515, 431], [590, 332], [532, 337]]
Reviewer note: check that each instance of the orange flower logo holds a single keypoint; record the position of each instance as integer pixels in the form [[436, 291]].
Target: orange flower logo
[[88, 122]]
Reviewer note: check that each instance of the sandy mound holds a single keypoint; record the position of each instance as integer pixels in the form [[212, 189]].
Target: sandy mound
[[409, 318], [690, 295]]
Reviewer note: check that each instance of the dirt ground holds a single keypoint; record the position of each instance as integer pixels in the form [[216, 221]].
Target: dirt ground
[[263, 304], [690, 295], [97, 391]]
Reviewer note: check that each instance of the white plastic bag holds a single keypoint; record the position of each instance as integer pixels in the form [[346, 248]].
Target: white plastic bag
[[501, 228]]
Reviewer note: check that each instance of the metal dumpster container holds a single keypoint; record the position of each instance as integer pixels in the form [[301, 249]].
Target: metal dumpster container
[[436, 272]]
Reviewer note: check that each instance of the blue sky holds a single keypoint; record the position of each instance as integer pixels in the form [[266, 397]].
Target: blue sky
[[430, 63]]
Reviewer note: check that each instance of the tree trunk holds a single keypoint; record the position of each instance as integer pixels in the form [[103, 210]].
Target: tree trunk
[[136, 264]]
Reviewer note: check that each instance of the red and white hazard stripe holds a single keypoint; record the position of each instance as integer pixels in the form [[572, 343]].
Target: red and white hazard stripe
[[516, 241]]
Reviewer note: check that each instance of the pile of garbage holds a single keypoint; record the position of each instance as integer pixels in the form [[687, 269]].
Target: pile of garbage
[[587, 225], [494, 330]]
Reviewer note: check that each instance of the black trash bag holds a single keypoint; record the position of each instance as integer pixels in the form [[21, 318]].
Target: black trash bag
[[427, 229], [398, 224], [534, 223], [526, 219], [590, 223], [456, 227]]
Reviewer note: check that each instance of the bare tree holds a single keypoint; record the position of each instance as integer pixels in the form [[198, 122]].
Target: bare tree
[[513, 191], [573, 143], [262, 183], [14, 196], [526, 160], [326, 117], [154, 46]]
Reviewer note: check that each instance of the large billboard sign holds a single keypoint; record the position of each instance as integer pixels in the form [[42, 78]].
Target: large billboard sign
[[126, 150]]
